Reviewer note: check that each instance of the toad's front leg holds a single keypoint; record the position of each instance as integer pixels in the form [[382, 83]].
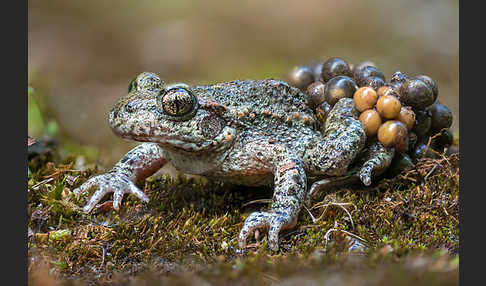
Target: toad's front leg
[[138, 164], [289, 194]]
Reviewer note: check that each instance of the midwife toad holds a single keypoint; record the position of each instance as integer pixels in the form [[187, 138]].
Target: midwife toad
[[251, 132]]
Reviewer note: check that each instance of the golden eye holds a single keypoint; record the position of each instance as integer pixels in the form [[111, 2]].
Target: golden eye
[[178, 102]]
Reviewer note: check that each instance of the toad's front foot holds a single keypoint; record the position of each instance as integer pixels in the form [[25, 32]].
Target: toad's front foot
[[273, 221], [115, 182]]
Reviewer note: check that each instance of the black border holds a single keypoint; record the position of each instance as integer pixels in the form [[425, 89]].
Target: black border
[[14, 138], [471, 198]]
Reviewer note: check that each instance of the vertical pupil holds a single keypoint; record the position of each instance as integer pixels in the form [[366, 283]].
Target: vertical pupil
[[178, 102]]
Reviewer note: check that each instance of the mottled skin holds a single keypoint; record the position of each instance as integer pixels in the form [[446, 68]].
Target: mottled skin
[[252, 132]]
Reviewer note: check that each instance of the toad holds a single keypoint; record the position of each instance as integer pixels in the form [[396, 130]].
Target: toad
[[248, 132]]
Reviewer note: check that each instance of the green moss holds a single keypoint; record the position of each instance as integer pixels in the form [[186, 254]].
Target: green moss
[[191, 225]]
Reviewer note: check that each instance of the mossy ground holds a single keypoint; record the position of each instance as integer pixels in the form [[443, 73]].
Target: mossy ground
[[404, 228]]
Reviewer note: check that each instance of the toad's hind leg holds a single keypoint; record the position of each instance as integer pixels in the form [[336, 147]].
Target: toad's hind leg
[[343, 139], [374, 161], [290, 192]]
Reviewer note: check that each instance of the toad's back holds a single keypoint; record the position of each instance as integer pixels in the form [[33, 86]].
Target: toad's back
[[269, 106]]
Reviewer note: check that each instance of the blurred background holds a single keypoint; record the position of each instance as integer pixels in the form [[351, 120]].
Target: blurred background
[[83, 54]]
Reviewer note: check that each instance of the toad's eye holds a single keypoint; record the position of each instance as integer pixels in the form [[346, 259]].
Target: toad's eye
[[147, 82], [178, 101]]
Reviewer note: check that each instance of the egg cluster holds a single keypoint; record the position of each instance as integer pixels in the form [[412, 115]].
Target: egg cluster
[[404, 113]]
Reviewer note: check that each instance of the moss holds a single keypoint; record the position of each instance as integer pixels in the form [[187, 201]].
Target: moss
[[189, 229]]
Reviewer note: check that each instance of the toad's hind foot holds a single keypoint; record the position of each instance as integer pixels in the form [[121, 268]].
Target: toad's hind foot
[[328, 184], [273, 221], [375, 160]]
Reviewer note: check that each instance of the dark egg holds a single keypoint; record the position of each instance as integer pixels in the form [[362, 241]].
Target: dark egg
[[445, 139], [315, 93], [339, 87], [423, 121], [334, 67], [423, 151], [300, 77], [416, 93], [374, 82], [322, 110], [361, 64], [398, 77], [401, 162], [431, 83], [412, 141], [441, 117], [453, 149], [362, 73], [316, 67]]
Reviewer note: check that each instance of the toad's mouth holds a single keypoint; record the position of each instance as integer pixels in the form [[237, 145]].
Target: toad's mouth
[[169, 141], [178, 143]]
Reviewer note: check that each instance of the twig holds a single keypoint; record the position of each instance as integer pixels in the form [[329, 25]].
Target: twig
[[430, 172], [312, 217], [257, 201], [326, 236], [102, 257], [341, 205], [36, 186]]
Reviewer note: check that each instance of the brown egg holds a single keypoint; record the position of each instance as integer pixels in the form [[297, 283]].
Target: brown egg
[[339, 87], [315, 94], [365, 98], [407, 116], [393, 133], [388, 106], [300, 77], [387, 89], [371, 121], [383, 90]]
